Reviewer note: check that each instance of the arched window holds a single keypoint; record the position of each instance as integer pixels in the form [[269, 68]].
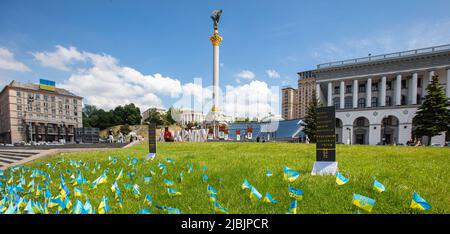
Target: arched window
[[361, 103], [374, 102], [388, 101], [336, 102], [348, 102]]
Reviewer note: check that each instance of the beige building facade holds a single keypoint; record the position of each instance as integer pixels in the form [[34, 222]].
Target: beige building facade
[[306, 86], [28, 113], [289, 103]]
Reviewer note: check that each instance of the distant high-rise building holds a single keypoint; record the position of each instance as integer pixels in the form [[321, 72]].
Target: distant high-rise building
[[306, 86], [289, 103]]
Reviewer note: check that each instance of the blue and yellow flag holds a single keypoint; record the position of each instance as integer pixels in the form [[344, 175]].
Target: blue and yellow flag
[[418, 202], [295, 193], [290, 174], [120, 175], [340, 179], [168, 183], [100, 180], [148, 200], [246, 185], [254, 193], [172, 210], [210, 189], [212, 197], [219, 208], [173, 192], [169, 160], [136, 192], [365, 203], [269, 199], [144, 211], [378, 186], [103, 207], [204, 177], [292, 208], [78, 192], [147, 179], [78, 208], [88, 207]]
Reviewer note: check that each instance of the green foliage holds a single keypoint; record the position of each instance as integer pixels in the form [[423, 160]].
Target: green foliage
[[433, 116], [311, 118], [402, 170], [154, 116], [168, 118], [99, 118], [125, 129]]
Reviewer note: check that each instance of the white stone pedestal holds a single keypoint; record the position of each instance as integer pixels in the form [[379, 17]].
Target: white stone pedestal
[[324, 168]]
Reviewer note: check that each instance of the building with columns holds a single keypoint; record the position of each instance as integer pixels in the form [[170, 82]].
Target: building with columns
[[30, 112], [376, 97]]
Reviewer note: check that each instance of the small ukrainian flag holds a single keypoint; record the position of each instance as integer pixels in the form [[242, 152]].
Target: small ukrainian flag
[[173, 192], [292, 208], [103, 207], [269, 199], [78, 192], [255, 194], [144, 211], [219, 208], [418, 202], [340, 179], [290, 174], [246, 185], [365, 203], [168, 183], [378, 186], [148, 200], [296, 193]]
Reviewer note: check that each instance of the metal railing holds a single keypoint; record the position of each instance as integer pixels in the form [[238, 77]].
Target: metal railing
[[386, 56]]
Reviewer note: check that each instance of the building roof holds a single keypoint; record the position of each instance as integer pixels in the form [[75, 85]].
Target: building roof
[[35, 87], [386, 57]]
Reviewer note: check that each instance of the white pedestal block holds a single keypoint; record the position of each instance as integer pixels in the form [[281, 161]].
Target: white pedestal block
[[324, 168]]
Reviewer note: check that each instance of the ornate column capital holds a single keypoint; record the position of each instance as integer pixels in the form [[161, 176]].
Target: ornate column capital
[[216, 39]]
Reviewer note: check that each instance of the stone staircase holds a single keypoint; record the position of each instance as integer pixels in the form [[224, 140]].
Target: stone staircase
[[10, 157]]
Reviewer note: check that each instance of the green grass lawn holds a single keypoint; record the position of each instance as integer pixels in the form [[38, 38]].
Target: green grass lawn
[[402, 170]]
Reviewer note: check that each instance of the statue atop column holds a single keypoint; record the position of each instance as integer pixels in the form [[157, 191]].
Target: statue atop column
[[216, 17]]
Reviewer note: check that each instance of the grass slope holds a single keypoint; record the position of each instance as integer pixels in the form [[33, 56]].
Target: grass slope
[[401, 169]]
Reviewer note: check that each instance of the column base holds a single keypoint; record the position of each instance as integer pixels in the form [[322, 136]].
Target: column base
[[324, 168]]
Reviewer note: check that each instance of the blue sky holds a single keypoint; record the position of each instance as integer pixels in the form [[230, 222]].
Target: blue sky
[[171, 38]]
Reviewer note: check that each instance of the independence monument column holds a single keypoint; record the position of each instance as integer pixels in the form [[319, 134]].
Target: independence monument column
[[215, 39]]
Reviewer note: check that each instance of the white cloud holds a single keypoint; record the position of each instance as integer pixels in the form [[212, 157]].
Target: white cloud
[[272, 73], [61, 58], [8, 62], [255, 99], [246, 74], [106, 83]]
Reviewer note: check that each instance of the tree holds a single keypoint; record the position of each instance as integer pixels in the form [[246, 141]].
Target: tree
[[168, 119], [311, 117], [433, 116], [154, 117], [131, 115]]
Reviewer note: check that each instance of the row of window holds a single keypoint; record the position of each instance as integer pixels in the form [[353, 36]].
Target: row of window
[[348, 102], [362, 87]]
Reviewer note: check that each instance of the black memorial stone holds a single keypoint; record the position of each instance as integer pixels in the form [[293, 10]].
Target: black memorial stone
[[152, 138], [326, 134]]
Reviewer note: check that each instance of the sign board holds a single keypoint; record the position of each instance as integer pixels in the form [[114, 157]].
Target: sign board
[[151, 141], [326, 134], [325, 141]]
